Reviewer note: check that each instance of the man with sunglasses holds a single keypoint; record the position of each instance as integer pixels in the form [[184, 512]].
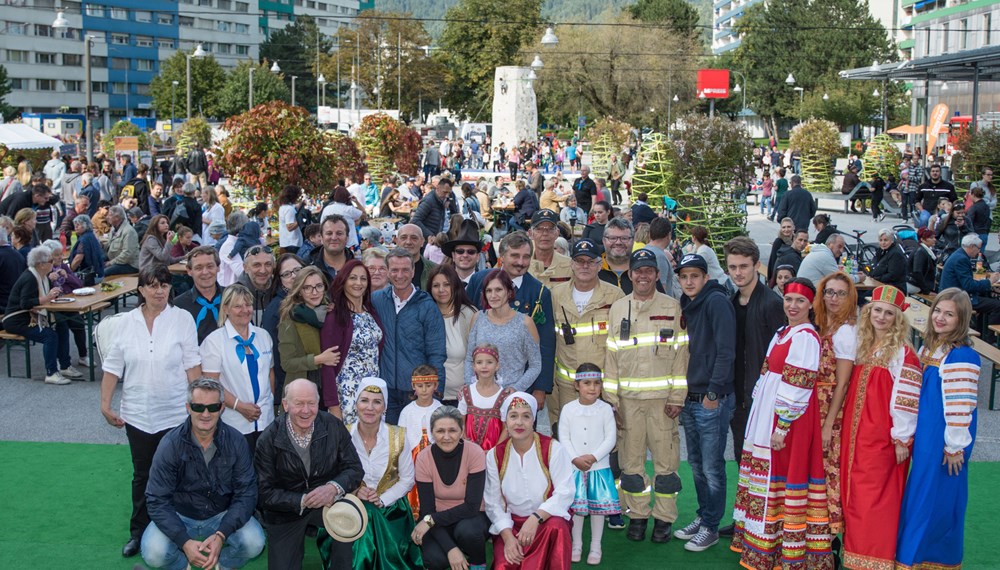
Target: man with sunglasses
[[463, 251], [202, 491], [205, 298], [258, 271]]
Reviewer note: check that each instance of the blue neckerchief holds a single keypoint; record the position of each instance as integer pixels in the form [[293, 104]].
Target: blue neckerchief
[[251, 362], [207, 306]]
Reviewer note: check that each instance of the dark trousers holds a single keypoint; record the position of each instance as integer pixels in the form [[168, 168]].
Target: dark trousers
[[616, 195], [398, 400], [469, 535], [119, 269], [989, 307], [876, 203], [143, 447], [252, 440], [738, 426], [909, 204], [78, 328], [285, 546]]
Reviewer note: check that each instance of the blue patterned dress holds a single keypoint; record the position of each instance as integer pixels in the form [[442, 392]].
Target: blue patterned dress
[[361, 360]]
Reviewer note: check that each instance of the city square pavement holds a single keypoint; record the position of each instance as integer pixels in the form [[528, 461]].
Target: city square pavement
[[39, 412]]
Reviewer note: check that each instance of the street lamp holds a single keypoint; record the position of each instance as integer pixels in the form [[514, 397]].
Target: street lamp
[[549, 39], [537, 63], [199, 53], [61, 23], [670, 103], [250, 86], [790, 79], [294, 77], [322, 82], [826, 96], [531, 75], [875, 93], [173, 102], [801, 91], [275, 68], [944, 86]]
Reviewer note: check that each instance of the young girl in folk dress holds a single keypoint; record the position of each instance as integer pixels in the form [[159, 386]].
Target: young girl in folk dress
[[587, 429], [781, 512], [836, 315], [480, 402], [880, 416], [416, 419]]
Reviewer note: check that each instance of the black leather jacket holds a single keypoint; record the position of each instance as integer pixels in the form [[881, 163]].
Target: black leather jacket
[[765, 315]]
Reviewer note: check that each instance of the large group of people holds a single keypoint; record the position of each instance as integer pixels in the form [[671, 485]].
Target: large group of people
[[387, 387]]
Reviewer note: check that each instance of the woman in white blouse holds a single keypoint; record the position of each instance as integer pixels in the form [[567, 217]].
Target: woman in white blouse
[[448, 292], [529, 489], [154, 350], [241, 356], [389, 476]]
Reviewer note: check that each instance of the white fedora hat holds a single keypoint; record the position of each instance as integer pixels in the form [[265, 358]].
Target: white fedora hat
[[346, 519]]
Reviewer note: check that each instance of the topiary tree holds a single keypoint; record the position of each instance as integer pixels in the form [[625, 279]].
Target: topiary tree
[[711, 169], [882, 157], [818, 142], [193, 132], [609, 136], [654, 169], [346, 156], [274, 145], [388, 145], [123, 129]]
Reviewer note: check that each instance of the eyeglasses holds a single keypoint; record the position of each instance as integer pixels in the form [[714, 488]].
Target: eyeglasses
[[199, 408], [831, 293], [290, 273], [378, 269], [583, 262], [545, 230], [313, 288], [257, 249], [465, 251], [620, 239]]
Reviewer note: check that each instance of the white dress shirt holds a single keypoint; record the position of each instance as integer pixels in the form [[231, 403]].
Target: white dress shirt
[[154, 367], [218, 356], [377, 462], [524, 484]]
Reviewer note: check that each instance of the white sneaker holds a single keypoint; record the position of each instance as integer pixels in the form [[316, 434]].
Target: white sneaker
[[84, 361], [71, 373], [57, 379]]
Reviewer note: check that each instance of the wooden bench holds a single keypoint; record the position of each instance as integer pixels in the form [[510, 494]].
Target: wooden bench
[[927, 299], [835, 195], [991, 353], [15, 339]]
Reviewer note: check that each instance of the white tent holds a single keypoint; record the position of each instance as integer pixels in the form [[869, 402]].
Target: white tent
[[17, 136]]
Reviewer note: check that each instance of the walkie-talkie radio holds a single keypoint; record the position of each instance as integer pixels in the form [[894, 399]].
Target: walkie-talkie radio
[[626, 328], [567, 330]]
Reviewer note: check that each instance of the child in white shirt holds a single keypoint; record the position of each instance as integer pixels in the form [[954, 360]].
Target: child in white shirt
[[416, 418]]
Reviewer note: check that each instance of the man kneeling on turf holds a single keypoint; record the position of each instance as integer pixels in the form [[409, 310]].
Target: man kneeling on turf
[[202, 491]]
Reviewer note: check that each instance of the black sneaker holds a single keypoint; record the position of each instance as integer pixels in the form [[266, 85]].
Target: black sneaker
[[616, 522]]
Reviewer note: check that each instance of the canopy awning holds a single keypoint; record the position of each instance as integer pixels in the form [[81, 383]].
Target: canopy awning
[[981, 64], [17, 136]]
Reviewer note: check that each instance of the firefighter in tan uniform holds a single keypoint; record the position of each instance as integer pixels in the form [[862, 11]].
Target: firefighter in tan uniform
[[547, 265], [645, 380], [581, 310]]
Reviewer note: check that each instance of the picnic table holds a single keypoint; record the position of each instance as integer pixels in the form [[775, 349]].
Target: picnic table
[[89, 305]]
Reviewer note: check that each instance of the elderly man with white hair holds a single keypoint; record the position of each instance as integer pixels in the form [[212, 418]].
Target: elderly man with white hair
[[91, 191], [957, 272], [54, 170], [123, 245]]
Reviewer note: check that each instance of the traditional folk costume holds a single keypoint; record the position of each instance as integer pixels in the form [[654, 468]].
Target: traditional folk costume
[[416, 420], [932, 519], [841, 345], [386, 544], [781, 510], [519, 486], [483, 424]]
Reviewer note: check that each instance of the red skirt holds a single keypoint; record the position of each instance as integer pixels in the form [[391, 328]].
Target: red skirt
[[549, 551]]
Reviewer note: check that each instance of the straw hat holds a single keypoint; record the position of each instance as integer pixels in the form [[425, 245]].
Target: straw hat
[[346, 519]]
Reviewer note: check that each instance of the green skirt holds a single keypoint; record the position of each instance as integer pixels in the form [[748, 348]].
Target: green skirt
[[386, 544]]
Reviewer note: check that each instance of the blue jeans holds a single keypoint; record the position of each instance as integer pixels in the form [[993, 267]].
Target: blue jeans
[[985, 238], [766, 206], [705, 432], [54, 341], [923, 216], [159, 551]]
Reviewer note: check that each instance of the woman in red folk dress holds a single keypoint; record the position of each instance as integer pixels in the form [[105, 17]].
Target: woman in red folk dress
[[880, 417], [781, 505]]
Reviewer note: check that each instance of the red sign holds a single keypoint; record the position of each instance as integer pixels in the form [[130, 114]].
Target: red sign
[[713, 83]]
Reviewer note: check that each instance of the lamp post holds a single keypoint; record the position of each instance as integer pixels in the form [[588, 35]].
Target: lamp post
[[739, 89], [250, 87], [801, 95], [294, 77], [173, 102], [199, 53], [670, 103], [322, 84], [61, 23]]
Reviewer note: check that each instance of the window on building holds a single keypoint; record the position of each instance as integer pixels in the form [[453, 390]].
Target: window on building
[[17, 56], [95, 10], [100, 86], [944, 36], [118, 88], [187, 1], [42, 30], [204, 2], [242, 28], [310, 4], [223, 26], [225, 49], [185, 21], [143, 16], [242, 50], [74, 86], [141, 89], [165, 19], [119, 13], [987, 29], [72, 60], [144, 65], [298, 3], [68, 33], [17, 83], [119, 39], [243, 7], [45, 58], [321, 6], [225, 4], [13, 28], [963, 34], [144, 41], [208, 46], [119, 63], [167, 43], [45, 84], [99, 61]]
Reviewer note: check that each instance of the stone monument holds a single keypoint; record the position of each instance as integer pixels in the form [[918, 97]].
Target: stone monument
[[515, 109]]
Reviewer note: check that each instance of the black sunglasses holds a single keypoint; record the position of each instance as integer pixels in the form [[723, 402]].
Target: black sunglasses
[[257, 249], [199, 408]]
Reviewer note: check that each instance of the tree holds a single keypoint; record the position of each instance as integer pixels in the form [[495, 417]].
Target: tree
[[599, 74], [480, 36], [274, 145], [678, 13], [819, 142], [813, 40], [296, 49], [123, 129], [267, 86], [194, 132], [7, 111], [206, 77], [402, 40]]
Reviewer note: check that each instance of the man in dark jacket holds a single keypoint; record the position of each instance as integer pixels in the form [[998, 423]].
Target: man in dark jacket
[[435, 209], [305, 461], [641, 212], [38, 196], [202, 490], [128, 169], [930, 192], [585, 189], [797, 204], [197, 166], [792, 254], [413, 331], [705, 416]]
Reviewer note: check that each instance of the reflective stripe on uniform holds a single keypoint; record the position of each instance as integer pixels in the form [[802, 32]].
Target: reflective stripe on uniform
[[646, 339], [653, 383], [586, 329], [564, 373]]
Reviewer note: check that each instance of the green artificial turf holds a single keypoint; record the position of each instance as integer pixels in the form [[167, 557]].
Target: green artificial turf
[[67, 506]]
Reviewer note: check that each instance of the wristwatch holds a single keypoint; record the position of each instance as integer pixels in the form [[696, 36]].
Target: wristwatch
[[429, 520], [712, 396]]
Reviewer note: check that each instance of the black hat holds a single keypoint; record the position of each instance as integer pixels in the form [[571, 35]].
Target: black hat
[[544, 216], [692, 260], [467, 235], [585, 247], [642, 258]]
